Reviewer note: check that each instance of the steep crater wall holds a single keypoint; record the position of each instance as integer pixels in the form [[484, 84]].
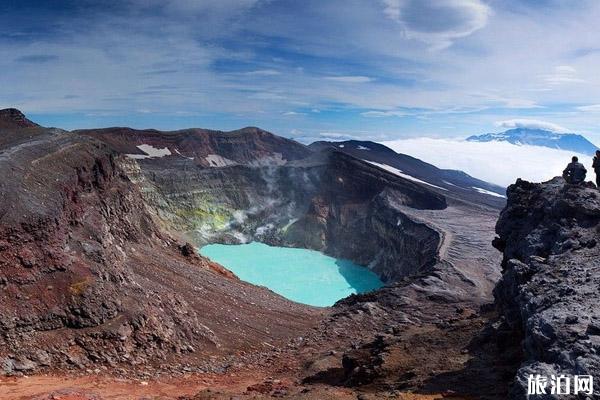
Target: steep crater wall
[[330, 202], [89, 280], [71, 216]]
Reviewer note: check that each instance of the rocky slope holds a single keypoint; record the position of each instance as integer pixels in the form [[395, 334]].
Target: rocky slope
[[11, 118], [87, 278], [95, 274], [450, 183], [548, 294]]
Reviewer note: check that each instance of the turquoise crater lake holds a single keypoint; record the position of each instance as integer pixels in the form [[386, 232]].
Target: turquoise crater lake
[[301, 275]]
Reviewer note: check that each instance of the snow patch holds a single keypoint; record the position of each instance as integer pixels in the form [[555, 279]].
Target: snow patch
[[480, 190], [216, 161], [452, 184], [398, 172], [189, 158], [363, 148], [341, 146], [151, 152]]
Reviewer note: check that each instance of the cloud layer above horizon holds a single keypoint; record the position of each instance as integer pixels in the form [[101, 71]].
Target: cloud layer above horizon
[[531, 124], [377, 69], [496, 162]]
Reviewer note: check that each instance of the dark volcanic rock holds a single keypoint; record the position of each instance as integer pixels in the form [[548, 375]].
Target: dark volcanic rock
[[450, 183], [356, 214], [11, 117], [188, 250], [207, 148], [16, 129], [548, 294]]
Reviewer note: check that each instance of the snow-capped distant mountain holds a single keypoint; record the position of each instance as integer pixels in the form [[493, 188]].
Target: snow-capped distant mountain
[[539, 137]]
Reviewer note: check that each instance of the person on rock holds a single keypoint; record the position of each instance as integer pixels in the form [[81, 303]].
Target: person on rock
[[596, 166], [575, 172]]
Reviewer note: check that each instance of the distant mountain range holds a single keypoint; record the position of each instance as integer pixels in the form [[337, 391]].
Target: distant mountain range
[[540, 137]]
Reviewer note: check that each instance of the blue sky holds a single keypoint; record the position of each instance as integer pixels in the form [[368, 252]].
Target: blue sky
[[369, 69]]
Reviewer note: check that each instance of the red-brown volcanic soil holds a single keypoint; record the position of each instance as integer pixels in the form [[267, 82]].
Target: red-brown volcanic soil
[[99, 301]]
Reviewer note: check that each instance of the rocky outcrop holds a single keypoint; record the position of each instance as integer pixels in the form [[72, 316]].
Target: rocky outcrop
[[548, 294], [11, 117], [16, 129]]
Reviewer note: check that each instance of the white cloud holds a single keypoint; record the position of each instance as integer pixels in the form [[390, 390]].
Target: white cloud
[[350, 79], [422, 113], [531, 124], [590, 108], [520, 103], [438, 22], [497, 162], [380, 114], [562, 74], [262, 72], [196, 7], [267, 96], [337, 136], [374, 61]]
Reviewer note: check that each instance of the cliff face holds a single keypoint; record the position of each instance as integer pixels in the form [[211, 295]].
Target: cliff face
[[329, 201], [88, 279], [548, 294], [356, 214]]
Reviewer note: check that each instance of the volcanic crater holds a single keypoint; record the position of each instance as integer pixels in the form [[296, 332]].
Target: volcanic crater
[[99, 270]]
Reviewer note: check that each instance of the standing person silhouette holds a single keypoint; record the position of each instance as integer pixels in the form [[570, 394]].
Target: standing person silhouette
[[596, 166]]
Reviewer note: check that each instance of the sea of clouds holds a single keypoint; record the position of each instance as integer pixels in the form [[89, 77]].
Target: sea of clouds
[[496, 162]]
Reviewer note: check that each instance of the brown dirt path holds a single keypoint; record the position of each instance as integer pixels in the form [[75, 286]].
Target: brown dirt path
[[191, 387]]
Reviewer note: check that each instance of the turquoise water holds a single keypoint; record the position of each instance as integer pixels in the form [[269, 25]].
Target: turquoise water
[[304, 276]]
